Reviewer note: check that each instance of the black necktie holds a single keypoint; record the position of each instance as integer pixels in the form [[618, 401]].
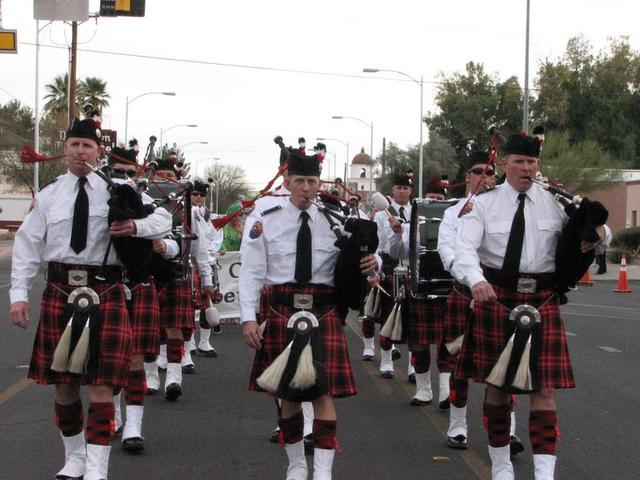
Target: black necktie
[[80, 218], [512, 255], [402, 214], [303, 251]]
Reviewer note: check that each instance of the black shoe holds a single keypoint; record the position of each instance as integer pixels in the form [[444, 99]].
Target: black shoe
[[275, 435], [415, 402], [444, 404], [217, 330], [151, 391], [189, 369], [459, 442], [515, 445], [412, 378], [66, 477], [208, 353], [309, 444], [117, 432], [133, 445], [173, 392], [367, 358], [395, 354], [388, 374]]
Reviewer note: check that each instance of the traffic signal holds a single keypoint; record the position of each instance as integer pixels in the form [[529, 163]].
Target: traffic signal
[[122, 8]]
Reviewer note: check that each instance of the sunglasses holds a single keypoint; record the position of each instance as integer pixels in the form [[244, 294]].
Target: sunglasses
[[198, 194], [122, 171], [478, 171]]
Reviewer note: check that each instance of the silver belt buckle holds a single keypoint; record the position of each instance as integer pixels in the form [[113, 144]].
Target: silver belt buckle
[[527, 285], [302, 301], [78, 278]]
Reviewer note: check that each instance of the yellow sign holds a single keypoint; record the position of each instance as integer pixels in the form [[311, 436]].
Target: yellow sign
[[8, 41], [123, 5]]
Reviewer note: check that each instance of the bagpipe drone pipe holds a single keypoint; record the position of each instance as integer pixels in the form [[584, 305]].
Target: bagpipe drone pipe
[[584, 217]]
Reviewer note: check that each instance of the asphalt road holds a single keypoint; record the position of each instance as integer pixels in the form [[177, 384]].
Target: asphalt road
[[219, 430]]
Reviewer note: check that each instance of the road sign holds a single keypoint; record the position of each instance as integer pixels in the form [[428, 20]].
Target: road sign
[[122, 8], [61, 10], [8, 41]]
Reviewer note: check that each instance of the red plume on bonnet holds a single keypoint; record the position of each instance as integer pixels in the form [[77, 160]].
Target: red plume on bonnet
[[29, 155]]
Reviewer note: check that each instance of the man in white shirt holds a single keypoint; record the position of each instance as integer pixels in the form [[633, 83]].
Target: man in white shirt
[[84, 335], [505, 253], [400, 207], [291, 249]]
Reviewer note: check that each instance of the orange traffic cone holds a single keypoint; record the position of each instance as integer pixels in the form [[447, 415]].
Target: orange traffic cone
[[623, 284], [585, 281]]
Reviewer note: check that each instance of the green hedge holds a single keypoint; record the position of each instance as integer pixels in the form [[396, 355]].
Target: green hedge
[[614, 255], [627, 238]]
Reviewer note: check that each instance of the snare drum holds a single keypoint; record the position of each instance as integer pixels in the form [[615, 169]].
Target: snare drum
[[428, 278]]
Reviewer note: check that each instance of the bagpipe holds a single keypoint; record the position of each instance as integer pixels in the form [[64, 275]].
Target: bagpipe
[[584, 217]]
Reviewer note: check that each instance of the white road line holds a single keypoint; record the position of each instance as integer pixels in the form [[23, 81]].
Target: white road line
[[576, 314], [609, 349], [631, 309], [570, 334], [5, 285]]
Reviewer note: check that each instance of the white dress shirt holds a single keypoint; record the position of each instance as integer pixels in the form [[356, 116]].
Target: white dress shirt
[[270, 257], [200, 246], [280, 196], [384, 230], [45, 234], [484, 232]]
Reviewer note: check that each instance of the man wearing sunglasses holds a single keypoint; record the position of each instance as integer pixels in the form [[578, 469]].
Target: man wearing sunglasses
[[480, 177]]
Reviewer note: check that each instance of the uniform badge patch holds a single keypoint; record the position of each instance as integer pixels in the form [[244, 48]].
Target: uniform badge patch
[[468, 208], [256, 230]]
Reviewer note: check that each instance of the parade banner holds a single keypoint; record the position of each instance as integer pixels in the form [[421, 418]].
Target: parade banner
[[228, 266]]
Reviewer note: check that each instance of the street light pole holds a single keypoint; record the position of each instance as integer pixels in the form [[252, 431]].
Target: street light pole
[[525, 108], [162, 132], [215, 169], [346, 144], [126, 110], [421, 85], [370, 125]]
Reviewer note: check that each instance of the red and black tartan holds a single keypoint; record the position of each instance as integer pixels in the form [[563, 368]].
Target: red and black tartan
[[144, 315], [456, 321], [199, 297], [426, 325], [114, 355], [491, 329], [337, 367], [176, 307]]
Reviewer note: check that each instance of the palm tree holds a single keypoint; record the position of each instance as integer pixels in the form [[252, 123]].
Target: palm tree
[[93, 90], [57, 96]]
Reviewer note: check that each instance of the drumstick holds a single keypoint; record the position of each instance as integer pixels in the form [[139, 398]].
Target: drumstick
[[381, 203]]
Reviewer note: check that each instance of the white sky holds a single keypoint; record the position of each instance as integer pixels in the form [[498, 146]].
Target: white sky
[[240, 110]]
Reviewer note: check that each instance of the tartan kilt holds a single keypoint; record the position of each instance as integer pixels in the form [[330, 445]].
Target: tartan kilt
[[337, 367], [176, 306], [144, 315], [199, 297], [456, 321], [490, 331], [114, 356], [426, 322]]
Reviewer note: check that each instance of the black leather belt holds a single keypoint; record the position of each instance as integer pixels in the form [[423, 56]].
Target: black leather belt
[[523, 282], [82, 275], [306, 301]]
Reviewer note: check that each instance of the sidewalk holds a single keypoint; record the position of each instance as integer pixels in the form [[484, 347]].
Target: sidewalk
[[633, 272]]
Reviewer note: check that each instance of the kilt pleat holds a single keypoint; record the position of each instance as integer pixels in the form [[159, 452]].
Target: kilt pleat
[[144, 315], [456, 322], [337, 366], [491, 329], [426, 322], [176, 306], [114, 355]]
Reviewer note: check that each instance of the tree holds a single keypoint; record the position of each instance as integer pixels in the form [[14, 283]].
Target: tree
[[228, 183], [93, 90], [439, 159], [582, 167], [57, 96], [469, 104]]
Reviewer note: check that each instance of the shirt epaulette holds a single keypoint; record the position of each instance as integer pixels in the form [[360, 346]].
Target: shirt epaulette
[[50, 183], [271, 210]]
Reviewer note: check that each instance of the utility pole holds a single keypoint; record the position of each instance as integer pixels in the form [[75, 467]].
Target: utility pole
[[72, 72]]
